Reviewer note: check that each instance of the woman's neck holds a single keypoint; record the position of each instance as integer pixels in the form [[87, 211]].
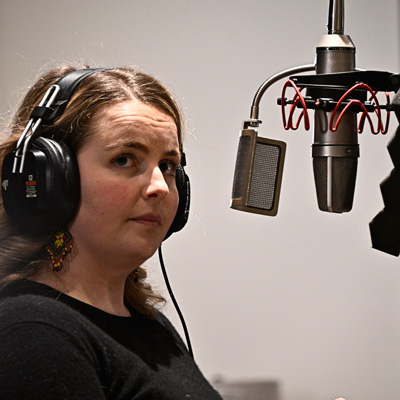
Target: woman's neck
[[88, 286]]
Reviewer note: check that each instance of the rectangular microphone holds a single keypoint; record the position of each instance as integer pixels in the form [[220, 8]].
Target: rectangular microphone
[[258, 174]]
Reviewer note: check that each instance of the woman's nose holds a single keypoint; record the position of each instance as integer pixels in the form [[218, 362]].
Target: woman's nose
[[157, 185]]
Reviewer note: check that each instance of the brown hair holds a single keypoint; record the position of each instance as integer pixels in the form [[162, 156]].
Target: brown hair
[[22, 254]]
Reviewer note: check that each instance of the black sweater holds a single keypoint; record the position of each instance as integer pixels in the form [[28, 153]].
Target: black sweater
[[55, 347]]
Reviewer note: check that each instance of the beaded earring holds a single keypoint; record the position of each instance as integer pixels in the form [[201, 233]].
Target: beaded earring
[[58, 247]]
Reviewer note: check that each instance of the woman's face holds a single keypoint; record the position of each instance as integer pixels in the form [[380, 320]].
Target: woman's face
[[128, 192]]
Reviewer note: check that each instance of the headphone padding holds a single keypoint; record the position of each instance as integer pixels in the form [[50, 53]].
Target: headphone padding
[[182, 214], [46, 195]]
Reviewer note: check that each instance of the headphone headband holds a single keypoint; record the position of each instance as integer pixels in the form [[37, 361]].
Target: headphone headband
[[64, 89]]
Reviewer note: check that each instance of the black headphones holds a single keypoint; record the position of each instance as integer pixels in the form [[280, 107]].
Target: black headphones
[[40, 178]]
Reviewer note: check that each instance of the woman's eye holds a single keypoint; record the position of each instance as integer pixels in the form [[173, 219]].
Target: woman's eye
[[123, 161], [168, 167]]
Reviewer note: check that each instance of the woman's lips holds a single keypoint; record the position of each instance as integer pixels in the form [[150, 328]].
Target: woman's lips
[[148, 219]]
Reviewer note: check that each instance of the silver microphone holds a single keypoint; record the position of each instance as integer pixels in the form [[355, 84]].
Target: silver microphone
[[335, 152]]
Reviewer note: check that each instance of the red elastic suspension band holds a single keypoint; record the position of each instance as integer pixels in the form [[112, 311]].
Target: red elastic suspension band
[[298, 98]]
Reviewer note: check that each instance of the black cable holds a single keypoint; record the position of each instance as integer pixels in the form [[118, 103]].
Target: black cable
[[171, 294]]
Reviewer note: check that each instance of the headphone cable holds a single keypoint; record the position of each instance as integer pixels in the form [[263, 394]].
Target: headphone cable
[[171, 294]]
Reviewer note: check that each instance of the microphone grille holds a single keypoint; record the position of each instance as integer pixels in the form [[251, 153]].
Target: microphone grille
[[258, 174], [335, 179], [263, 180]]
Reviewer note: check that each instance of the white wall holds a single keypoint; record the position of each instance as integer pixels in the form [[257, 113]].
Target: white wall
[[300, 298]]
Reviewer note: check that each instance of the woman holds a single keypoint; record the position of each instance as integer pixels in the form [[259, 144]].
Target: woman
[[77, 319]]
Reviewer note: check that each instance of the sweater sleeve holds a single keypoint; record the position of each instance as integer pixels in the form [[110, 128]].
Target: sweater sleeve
[[41, 360]]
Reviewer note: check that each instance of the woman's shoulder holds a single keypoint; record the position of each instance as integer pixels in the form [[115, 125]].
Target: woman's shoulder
[[31, 306], [46, 347], [35, 324], [30, 310], [27, 301]]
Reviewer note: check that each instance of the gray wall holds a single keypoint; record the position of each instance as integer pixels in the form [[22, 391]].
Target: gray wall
[[300, 298]]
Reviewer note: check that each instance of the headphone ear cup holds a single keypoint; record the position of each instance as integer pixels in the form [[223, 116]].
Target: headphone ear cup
[[182, 214], [45, 196]]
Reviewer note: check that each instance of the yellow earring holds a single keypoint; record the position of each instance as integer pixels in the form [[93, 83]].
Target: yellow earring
[[58, 247]]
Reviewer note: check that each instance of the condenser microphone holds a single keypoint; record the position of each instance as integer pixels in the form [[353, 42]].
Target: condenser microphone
[[258, 173], [335, 151]]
